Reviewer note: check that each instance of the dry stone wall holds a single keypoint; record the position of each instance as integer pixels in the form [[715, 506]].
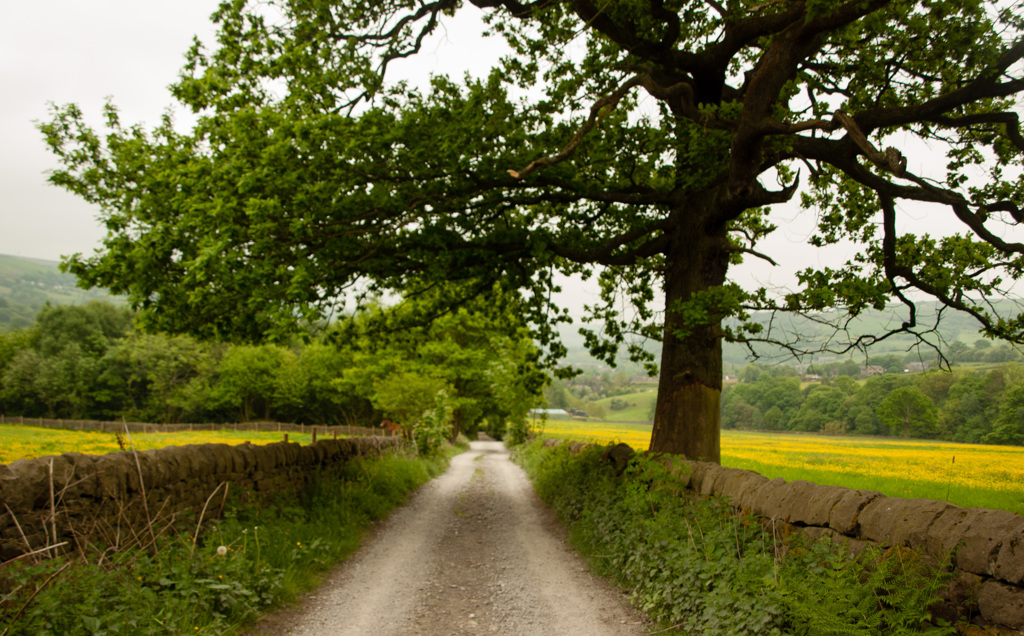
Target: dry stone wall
[[989, 544], [108, 499]]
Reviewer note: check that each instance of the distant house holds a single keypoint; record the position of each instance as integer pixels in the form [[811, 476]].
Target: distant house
[[917, 367], [729, 377], [871, 369], [549, 412], [812, 377]]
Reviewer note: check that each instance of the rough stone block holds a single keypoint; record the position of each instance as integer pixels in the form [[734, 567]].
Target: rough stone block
[[1001, 604], [896, 521], [768, 497], [844, 517], [697, 470], [247, 456], [727, 482], [946, 531], [986, 530], [814, 507], [83, 482], [816, 532], [1009, 563], [791, 500], [26, 484], [618, 456], [577, 447], [741, 485], [205, 457], [711, 474]]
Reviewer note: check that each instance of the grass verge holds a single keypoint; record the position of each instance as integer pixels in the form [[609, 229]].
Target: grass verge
[[246, 563], [699, 569]]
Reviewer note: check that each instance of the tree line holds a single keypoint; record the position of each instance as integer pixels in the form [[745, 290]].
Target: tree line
[[471, 369], [978, 406]]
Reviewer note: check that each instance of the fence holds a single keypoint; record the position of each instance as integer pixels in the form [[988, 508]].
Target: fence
[[142, 427]]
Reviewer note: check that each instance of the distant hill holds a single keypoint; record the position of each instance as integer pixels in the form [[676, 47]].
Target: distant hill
[[26, 284], [952, 327]]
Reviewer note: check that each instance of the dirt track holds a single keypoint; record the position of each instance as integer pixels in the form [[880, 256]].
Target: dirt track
[[474, 552]]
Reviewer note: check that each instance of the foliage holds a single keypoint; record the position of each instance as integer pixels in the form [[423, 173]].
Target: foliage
[[28, 285], [55, 368], [432, 433], [87, 363], [478, 362], [639, 143], [243, 564], [962, 405], [909, 412], [693, 564]]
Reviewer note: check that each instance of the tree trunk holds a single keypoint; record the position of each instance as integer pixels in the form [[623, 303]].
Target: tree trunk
[[456, 425], [687, 418]]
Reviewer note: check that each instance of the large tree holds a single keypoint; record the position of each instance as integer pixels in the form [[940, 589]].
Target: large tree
[[644, 140]]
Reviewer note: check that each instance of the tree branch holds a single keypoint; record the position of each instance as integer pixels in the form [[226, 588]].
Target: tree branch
[[597, 113], [891, 160], [1010, 120]]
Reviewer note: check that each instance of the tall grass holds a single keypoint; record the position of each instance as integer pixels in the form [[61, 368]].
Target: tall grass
[[219, 579]]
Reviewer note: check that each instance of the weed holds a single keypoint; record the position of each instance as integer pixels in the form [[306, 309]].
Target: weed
[[218, 577], [694, 565]]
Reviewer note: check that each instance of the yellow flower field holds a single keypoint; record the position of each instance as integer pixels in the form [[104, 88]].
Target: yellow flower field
[[23, 442], [964, 474]]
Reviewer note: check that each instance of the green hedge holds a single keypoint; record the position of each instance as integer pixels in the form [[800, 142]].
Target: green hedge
[[696, 567]]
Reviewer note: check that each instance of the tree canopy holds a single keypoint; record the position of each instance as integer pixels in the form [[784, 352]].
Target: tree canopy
[[640, 141]]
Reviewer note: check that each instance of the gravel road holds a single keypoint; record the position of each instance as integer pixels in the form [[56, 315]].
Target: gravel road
[[474, 552]]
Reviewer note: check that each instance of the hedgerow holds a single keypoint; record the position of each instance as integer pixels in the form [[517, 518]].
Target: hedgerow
[[695, 566]]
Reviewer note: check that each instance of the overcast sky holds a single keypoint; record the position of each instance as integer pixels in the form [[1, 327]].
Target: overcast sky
[[130, 50], [72, 51]]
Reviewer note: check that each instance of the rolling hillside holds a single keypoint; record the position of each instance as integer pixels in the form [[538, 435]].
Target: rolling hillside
[[26, 284], [953, 326]]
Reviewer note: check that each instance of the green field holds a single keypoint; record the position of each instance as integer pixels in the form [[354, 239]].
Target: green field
[[639, 409]]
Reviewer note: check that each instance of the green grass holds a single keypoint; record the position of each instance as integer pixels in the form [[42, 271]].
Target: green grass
[[638, 411], [697, 568], [248, 562]]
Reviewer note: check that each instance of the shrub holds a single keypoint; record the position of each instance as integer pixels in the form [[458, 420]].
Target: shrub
[[694, 565]]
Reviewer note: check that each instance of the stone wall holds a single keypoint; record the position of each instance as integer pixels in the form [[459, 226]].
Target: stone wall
[[112, 499], [989, 544]]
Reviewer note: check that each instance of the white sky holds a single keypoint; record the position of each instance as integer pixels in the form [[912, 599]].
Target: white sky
[[131, 50], [72, 51]]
